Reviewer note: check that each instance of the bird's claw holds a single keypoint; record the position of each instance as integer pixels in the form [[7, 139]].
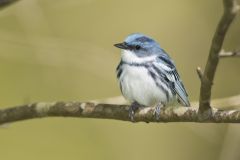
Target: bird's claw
[[157, 111], [134, 106], [131, 114]]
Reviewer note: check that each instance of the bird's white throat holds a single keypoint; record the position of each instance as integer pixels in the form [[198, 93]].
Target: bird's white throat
[[130, 57]]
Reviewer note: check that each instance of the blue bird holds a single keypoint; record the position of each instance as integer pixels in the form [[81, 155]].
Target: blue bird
[[147, 75]]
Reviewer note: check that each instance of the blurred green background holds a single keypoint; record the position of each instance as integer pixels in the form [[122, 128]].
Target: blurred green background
[[63, 50]]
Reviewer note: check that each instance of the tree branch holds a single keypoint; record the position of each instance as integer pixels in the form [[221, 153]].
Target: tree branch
[[118, 112], [230, 10]]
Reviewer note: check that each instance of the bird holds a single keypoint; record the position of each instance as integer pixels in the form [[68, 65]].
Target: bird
[[147, 76]]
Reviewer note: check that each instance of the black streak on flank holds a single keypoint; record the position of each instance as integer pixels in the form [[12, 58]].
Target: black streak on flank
[[121, 87], [119, 65], [119, 73], [153, 75]]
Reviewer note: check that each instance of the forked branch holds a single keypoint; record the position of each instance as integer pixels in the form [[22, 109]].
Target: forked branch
[[230, 10]]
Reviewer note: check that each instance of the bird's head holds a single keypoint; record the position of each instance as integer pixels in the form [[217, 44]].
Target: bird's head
[[137, 47]]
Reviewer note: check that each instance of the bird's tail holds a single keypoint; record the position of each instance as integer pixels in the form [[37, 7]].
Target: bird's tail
[[182, 95]]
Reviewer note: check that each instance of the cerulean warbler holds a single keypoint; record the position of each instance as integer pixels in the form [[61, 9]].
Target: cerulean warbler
[[147, 75]]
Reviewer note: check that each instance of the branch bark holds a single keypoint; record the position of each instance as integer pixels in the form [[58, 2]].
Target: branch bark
[[119, 112], [230, 10]]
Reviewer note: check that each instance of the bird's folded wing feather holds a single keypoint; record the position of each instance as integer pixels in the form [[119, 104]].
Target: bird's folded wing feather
[[165, 65]]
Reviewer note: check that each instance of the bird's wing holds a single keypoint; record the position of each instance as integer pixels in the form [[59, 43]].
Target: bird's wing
[[166, 69]]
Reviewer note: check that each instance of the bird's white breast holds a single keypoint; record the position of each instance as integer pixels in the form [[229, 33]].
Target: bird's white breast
[[138, 85]]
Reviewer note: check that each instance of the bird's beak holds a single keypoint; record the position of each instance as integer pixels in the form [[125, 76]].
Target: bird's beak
[[122, 45]]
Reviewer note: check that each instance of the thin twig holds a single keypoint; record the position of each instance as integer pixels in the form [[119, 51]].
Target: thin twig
[[230, 10], [224, 54], [200, 73]]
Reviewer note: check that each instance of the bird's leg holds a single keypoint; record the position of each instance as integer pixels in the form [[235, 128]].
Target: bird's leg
[[157, 110], [132, 109]]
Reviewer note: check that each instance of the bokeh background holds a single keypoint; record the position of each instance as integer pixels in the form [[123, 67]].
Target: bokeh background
[[63, 50]]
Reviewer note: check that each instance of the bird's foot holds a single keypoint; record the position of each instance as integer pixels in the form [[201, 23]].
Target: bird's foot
[[157, 111], [132, 109]]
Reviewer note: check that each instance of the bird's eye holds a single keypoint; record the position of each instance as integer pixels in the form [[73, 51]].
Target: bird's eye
[[137, 47]]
